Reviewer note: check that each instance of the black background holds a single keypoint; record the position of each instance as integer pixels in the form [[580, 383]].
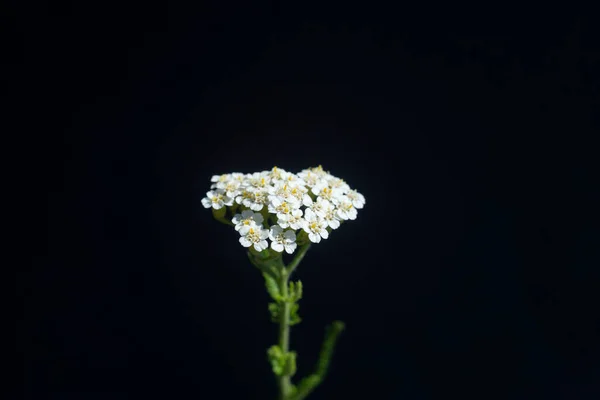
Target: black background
[[473, 270]]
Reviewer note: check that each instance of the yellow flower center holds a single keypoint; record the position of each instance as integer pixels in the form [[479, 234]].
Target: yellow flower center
[[284, 208]]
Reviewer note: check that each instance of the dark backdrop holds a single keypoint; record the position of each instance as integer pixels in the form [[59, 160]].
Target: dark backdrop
[[472, 272]]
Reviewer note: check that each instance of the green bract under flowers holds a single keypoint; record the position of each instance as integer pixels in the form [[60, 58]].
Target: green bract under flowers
[[279, 209]]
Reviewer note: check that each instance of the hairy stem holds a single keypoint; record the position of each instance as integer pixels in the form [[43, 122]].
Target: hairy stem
[[285, 384]]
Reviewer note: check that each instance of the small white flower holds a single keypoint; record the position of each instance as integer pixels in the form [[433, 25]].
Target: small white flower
[[282, 207], [357, 199], [320, 172], [245, 197], [318, 206], [216, 199], [345, 210], [255, 236], [246, 220], [315, 226], [292, 179], [339, 184], [259, 198], [300, 193], [330, 216], [309, 177], [238, 176], [280, 190], [293, 220], [281, 239], [324, 191], [231, 187], [278, 174], [216, 179], [259, 180]]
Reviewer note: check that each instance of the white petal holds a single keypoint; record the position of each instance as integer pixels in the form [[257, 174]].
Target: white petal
[[258, 218], [206, 203], [283, 217], [313, 237], [244, 229], [290, 235], [237, 218], [278, 247], [289, 248], [334, 223], [310, 215], [306, 200], [352, 214], [264, 233], [245, 242], [247, 214], [324, 234]]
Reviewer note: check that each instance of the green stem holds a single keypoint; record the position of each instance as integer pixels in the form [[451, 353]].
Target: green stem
[[285, 381], [297, 258], [285, 384], [310, 383]]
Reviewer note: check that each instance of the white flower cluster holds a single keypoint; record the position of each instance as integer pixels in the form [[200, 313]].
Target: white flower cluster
[[277, 205]]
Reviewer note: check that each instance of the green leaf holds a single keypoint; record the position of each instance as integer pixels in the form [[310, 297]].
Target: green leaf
[[277, 360], [295, 291], [272, 287], [290, 364], [274, 310], [282, 363], [294, 317]]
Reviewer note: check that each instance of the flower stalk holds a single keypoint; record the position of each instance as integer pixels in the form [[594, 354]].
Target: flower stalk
[[287, 293], [285, 384]]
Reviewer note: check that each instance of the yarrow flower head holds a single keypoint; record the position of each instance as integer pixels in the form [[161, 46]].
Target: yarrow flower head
[[284, 208]]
